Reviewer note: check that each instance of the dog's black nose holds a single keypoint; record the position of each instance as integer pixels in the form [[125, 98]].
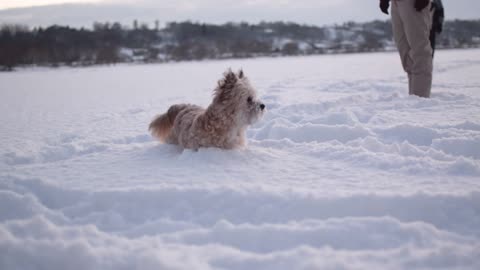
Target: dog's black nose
[[262, 106]]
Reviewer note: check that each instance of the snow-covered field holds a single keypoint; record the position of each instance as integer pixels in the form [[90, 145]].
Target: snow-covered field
[[345, 171]]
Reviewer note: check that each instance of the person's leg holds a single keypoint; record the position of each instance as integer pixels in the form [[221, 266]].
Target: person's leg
[[402, 43], [417, 27]]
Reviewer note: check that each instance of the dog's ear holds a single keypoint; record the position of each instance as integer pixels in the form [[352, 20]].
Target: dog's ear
[[225, 86], [229, 80], [240, 74]]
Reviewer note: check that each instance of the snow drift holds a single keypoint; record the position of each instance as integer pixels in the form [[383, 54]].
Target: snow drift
[[345, 171]]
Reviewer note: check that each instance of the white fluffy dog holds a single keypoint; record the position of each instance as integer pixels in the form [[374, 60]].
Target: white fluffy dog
[[222, 124]]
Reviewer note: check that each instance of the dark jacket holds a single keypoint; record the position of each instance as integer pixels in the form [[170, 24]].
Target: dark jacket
[[437, 23], [438, 16]]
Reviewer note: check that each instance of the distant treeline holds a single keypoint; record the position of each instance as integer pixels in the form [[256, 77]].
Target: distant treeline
[[113, 43]]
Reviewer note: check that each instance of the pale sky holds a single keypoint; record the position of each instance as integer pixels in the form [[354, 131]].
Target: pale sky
[[317, 12], [4, 4]]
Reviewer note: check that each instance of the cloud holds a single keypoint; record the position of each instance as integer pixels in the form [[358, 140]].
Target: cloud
[[6, 4], [212, 11]]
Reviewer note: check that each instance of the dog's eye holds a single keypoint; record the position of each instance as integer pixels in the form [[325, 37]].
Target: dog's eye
[[249, 99]]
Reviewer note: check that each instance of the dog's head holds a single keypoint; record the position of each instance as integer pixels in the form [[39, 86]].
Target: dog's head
[[235, 94]]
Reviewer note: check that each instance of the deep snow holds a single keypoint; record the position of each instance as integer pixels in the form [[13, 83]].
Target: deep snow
[[345, 171]]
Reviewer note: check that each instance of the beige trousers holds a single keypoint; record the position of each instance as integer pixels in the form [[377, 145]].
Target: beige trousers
[[411, 30]]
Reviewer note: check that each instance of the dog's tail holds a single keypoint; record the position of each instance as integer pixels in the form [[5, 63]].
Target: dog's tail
[[161, 126]]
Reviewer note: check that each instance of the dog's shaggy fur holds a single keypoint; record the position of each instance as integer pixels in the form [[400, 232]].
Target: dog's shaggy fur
[[222, 124]]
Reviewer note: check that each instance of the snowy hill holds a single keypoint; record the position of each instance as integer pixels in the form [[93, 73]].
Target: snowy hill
[[345, 171]]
